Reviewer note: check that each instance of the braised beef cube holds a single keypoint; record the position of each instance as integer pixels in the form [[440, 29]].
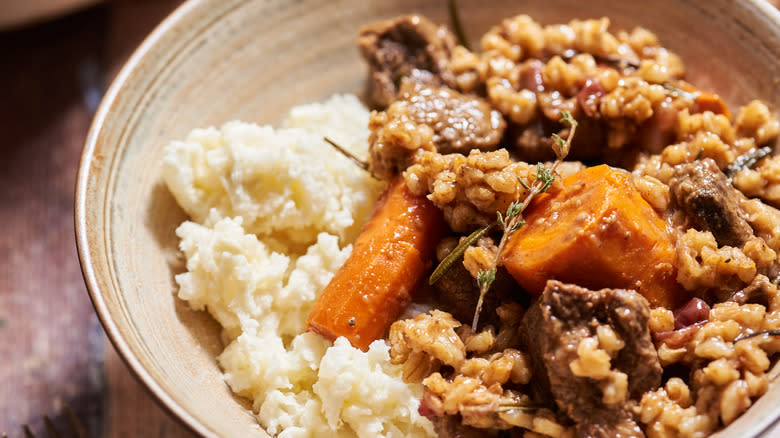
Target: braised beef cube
[[460, 122], [459, 293], [552, 332], [409, 46], [450, 426], [710, 202]]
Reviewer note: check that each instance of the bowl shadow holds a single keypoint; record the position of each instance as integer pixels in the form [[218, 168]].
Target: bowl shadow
[[163, 216]]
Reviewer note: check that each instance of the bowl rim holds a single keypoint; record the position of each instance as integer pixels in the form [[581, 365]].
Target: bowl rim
[[83, 247]]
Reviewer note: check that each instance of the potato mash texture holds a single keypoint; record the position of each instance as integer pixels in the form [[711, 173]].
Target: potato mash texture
[[273, 212]]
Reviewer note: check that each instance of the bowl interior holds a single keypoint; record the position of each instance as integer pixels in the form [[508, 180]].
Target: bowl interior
[[218, 60]]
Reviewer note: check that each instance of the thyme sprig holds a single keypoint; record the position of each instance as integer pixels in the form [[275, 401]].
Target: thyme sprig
[[512, 219], [362, 164]]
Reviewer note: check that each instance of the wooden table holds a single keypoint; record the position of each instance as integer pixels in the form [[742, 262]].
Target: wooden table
[[53, 354]]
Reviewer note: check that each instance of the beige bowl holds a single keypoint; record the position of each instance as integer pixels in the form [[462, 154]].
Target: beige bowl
[[217, 60]]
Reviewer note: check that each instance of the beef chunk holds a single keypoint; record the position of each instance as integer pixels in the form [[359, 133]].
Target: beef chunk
[[427, 117], [460, 122], [459, 292], [758, 291], [533, 142], [409, 46], [450, 426], [552, 330], [710, 202]]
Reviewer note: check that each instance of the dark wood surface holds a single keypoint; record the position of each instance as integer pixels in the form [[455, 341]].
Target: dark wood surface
[[53, 354]]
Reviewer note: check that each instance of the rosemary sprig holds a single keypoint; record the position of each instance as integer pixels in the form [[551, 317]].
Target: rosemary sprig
[[457, 252], [457, 25], [748, 160], [512, 220]]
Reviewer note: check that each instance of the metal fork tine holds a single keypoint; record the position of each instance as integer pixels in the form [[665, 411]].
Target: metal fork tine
[[53, 433], [27, 432], [75, 425]]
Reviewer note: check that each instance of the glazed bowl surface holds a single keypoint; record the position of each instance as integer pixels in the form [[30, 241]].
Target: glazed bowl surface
[[213, 61]]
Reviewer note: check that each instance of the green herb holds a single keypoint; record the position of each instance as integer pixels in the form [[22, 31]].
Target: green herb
[[512, 219], [544, 175], [457, 25], [2, 323], [558, 145], [523, 183], [362, 164], [457, 252], [567, 118], [748, 160], [485, 279]]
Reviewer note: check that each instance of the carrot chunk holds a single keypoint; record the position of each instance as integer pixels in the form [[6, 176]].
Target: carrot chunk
[[706, 101], [389, 258], [596, 232]]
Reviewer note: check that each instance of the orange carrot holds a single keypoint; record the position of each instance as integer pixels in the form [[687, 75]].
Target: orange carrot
[[389, 258], [706, 101], [597, 232]]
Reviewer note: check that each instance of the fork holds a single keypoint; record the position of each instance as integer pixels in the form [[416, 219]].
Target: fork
[[76, 428]]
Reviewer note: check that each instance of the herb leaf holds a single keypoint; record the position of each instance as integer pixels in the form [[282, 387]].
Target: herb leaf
[[457, 252], [748, 160], [485, 278], [546, 176], [566, 118], [560, 146], [523, 183], [514, 209]]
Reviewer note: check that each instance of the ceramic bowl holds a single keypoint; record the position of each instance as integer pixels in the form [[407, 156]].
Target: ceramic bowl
[[216, 60]]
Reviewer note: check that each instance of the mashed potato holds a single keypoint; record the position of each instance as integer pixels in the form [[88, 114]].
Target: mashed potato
[[273, 212], [287, 183]]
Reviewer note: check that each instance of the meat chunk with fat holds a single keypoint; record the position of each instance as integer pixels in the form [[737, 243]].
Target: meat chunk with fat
[[458, 293], [429, 118], [450, 426], [409, 46], [460, 122], [710, 202], [553, 332]]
